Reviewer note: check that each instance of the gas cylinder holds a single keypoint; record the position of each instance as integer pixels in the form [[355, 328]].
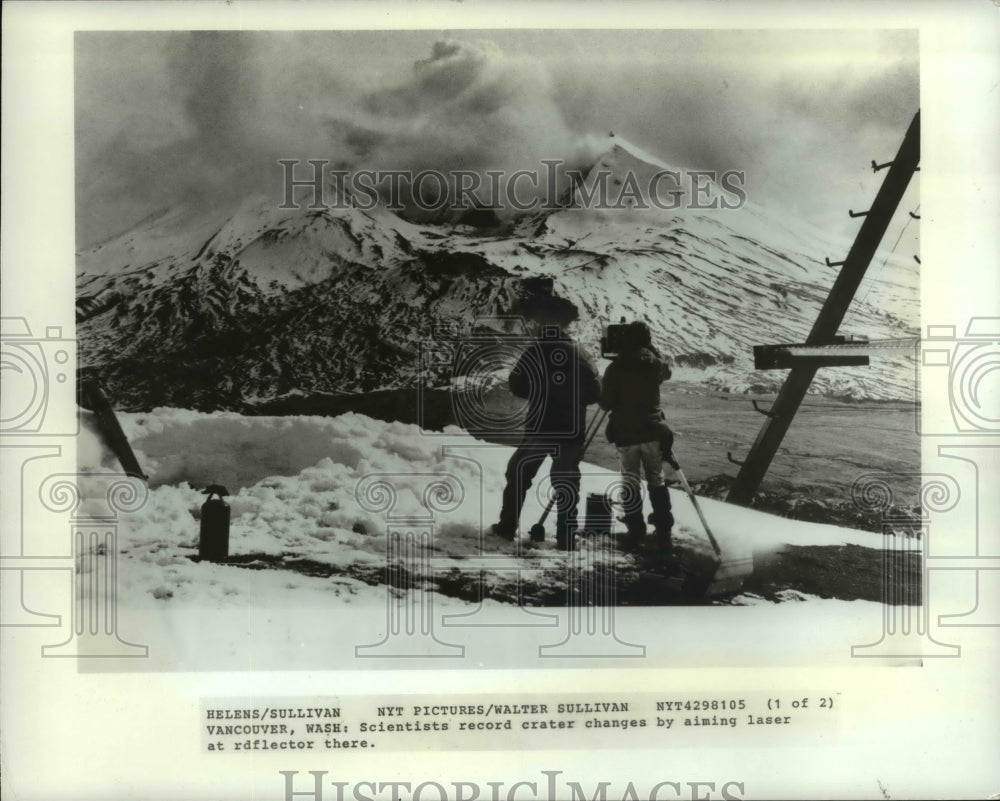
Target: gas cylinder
[[213, 543]]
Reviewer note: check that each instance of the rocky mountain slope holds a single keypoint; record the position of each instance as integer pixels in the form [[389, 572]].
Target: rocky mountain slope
[[236, 307]]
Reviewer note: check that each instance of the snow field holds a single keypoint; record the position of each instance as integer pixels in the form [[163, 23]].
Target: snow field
[[320, 589], [296, 483]]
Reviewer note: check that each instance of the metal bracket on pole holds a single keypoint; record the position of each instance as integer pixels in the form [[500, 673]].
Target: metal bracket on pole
[[765, 412], [831, 315], [729, 456], [833, 263], [782, 357], [852, 213]]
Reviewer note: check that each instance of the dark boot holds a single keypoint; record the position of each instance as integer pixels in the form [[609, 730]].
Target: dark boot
[[566, 530], [504, 530], [566, 486], [521, 470], [662, 517], [636, 527], [565, 541], [510, 511]]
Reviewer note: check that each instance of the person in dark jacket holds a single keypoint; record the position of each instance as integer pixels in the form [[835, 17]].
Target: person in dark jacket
[[559, 381], [636, 426]]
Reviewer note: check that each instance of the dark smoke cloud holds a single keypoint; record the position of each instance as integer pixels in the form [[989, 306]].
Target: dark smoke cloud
[[195, 119], [235, 103], [220, 90], [468, 105], [201, 118]]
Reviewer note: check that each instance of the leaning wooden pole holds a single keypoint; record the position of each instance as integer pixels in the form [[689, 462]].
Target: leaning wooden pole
[[830, 317], [94, 399]]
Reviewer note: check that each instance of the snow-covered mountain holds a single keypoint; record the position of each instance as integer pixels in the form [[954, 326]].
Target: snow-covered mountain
[[239, 306]]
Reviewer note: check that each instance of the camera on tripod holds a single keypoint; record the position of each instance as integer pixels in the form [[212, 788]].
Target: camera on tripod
[[616, 338]]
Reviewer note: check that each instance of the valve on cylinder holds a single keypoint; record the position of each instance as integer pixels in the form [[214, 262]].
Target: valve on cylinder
[[213, 543]]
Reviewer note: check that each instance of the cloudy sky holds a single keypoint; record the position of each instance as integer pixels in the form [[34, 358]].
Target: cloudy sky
[[202, 117]]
